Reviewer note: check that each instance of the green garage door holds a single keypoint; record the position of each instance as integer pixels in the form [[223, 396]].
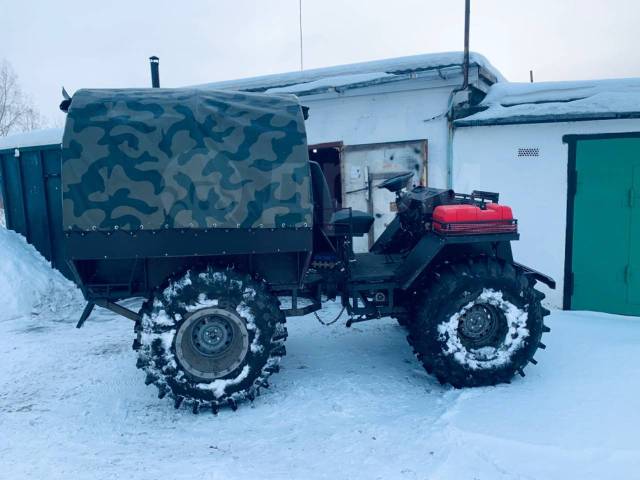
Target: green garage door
[[606, 226]]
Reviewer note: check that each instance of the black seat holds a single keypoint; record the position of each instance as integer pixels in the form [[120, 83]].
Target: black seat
[[360, 222], [324, 212]]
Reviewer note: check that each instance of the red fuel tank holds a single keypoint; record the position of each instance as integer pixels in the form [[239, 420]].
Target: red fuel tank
[[471, 219]]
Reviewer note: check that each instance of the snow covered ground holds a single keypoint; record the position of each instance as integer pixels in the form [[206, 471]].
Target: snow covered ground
[[348, 403]]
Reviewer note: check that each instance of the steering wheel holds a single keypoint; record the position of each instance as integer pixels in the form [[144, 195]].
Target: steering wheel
[[397, 182]]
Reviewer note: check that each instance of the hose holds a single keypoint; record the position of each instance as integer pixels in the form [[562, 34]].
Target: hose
[[326, 324]]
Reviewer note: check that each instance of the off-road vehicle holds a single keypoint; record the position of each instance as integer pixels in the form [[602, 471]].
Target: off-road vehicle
[[205, 204]]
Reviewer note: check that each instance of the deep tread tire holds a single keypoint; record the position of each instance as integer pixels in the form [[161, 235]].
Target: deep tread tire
[[403, 320], [449, 291], [168, 309]]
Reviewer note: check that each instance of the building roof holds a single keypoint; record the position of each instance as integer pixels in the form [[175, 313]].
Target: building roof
[[357, 75], [513, 103], [35, 138]]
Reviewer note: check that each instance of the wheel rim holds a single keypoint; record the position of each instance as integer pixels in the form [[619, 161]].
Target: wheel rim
[[211, 343], [212, 335], [482, 325]]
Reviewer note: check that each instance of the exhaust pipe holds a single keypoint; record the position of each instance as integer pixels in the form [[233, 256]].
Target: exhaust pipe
[[155, 71]]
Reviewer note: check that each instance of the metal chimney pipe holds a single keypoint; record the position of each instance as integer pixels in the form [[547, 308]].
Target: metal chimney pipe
[[465, 65], [155, 71]]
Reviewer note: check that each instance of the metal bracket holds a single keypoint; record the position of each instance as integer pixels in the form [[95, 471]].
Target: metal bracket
[[296, 311], [299, 312], [541, 277], [85, 314], [352, 320], [111, 306]]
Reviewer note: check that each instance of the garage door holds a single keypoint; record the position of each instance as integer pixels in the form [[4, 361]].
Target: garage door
[[606, 226]]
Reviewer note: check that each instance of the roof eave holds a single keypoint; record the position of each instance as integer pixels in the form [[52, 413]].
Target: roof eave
[[479, 80], [529, 119]]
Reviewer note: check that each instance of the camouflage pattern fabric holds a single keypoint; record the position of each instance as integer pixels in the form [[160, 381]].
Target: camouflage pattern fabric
[[184, 158]]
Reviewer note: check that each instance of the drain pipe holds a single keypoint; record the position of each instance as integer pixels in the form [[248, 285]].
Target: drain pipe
[[463, 87]]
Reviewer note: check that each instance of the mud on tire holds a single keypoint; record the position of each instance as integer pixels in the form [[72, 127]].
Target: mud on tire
[[211, 338], [479, 323]]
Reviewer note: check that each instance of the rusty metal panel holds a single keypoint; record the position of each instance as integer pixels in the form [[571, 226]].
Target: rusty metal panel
[[366, 166]]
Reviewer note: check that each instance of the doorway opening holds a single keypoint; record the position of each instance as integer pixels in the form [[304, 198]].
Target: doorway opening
[[328, 156]]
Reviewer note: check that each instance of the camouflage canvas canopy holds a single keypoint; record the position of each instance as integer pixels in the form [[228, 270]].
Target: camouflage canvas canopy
[[184, 158]]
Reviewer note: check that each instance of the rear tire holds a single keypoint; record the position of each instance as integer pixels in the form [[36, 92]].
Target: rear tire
[[211, 338], [404, 320], [479, 323]]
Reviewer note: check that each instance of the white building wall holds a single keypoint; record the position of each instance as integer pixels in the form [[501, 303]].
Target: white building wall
[[372, 115], [486, 158]]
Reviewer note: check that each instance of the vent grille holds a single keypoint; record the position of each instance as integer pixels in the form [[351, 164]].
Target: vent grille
[[529, 152]]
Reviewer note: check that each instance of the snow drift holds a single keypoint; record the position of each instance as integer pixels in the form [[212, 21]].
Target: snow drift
[[28, 283]]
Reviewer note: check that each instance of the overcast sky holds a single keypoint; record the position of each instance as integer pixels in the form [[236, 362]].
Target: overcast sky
[[106, 44]]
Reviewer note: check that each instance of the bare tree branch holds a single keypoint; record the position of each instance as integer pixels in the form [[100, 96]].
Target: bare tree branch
[[17, 112]]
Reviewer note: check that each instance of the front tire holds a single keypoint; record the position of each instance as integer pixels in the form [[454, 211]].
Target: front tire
[[479, 323], [211, 338]]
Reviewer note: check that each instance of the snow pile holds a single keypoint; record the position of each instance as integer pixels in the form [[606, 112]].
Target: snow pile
[[35, 138], [3, 220], [28, 284], [530, 101]]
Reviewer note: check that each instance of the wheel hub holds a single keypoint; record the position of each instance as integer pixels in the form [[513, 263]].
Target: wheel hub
[[212, 335], [479, 326], [211, 343]]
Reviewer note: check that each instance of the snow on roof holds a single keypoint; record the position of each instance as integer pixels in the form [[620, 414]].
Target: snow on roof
[[334, 82], [558, 101], [354, 74], [35, 138]]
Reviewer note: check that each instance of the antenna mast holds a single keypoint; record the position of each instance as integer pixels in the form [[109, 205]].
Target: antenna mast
[[300, 23]]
